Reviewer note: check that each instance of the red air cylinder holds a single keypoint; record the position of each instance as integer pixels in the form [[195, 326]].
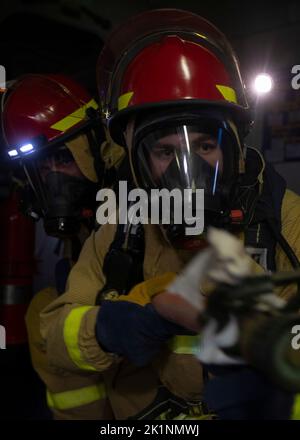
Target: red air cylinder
[[16, 268]]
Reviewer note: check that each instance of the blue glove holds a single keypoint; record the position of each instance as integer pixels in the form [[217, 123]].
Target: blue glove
[[133, 331]]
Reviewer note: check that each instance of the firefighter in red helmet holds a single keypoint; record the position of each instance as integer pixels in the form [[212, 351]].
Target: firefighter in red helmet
[[171, 93], [51, 126], [53, 132], [178, 83]]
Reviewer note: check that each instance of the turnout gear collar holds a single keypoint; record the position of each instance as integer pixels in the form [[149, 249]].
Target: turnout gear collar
[[79, 147]]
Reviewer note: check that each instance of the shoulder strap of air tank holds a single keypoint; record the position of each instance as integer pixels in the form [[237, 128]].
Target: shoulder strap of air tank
[[123, 263], [258, 234]]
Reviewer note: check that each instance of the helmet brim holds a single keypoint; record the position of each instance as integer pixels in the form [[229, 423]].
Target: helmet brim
[[117, 123]]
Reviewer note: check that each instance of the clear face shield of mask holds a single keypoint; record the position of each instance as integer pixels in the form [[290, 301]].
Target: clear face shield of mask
[[62, 193], [187, 156]]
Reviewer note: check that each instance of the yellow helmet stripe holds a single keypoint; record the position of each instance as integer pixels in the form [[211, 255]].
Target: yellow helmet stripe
[[123, 100], [227, 92], [73, 118]]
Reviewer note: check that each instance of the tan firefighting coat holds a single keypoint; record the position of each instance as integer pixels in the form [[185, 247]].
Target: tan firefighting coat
[[102, 385]]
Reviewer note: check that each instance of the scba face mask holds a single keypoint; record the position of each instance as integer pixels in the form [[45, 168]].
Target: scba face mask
[[196, 152], [64, 196]]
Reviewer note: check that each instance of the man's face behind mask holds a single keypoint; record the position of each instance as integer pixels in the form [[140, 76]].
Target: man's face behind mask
[[62, 192], [199, 153], [170, 150], [185, 157], [61, 162]]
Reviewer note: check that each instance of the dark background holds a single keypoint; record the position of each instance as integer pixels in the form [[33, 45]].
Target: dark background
[[55, 35]]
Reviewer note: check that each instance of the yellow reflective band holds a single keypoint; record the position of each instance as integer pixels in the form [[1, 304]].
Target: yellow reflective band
[[71, 332], [123, 100], [296, 408], [227, 92], [75, 398], [75, 117], [185, 344]]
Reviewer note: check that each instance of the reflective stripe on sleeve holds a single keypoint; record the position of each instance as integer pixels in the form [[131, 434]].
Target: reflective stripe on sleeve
[[71, 334], [75, 398], [296, 408], [185, 344]]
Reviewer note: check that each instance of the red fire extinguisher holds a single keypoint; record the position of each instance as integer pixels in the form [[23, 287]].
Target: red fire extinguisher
[[16, 268]]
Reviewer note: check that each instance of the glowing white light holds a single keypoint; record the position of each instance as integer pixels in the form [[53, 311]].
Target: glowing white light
[[263, 83], [26, 148], [13, 153]]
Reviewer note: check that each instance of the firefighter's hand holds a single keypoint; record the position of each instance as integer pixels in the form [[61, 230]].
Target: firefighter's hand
[[133, 331], [178, 310], [184, 299]]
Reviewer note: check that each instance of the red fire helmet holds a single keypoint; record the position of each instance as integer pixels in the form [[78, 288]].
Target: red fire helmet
[[42, 106], [168, 58]]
